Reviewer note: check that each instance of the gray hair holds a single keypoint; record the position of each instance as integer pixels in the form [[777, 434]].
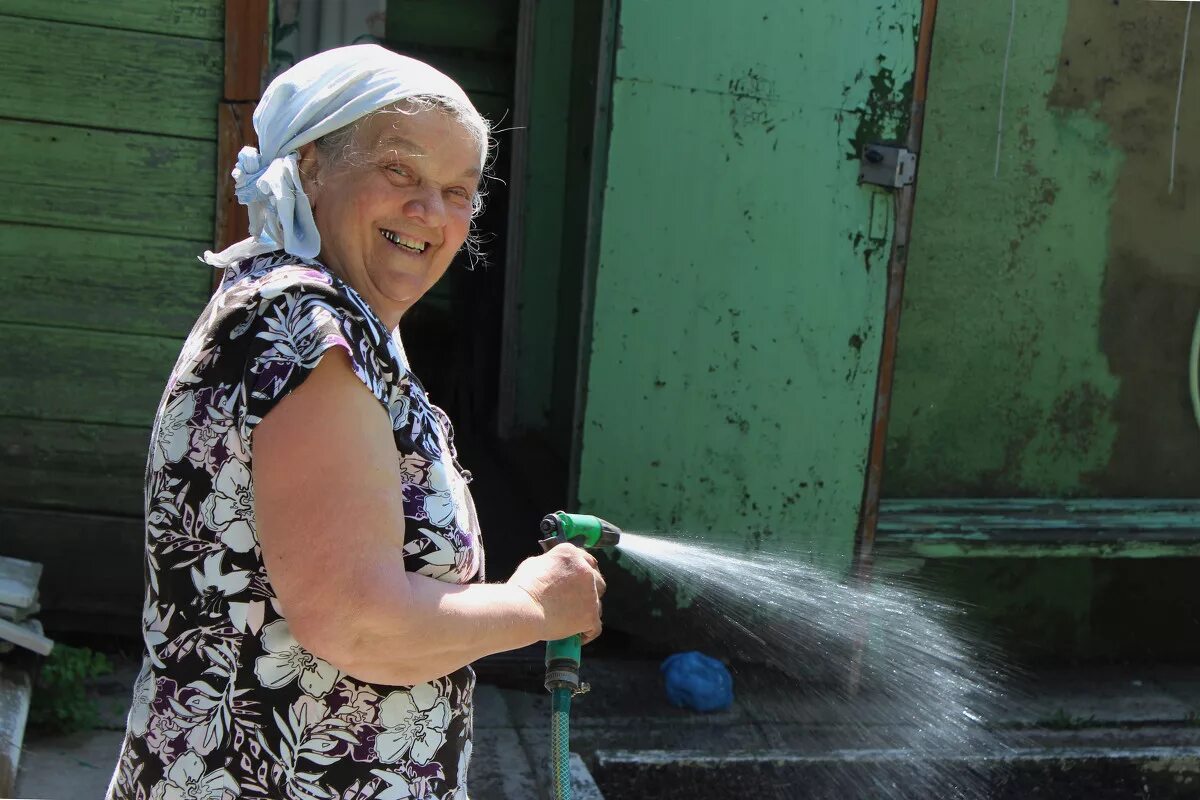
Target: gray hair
[[340, 146]]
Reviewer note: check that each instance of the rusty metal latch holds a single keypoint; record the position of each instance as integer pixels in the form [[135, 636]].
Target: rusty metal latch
[[887, 165]]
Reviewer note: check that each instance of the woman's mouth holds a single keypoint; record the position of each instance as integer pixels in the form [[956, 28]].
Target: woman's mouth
[[405, 243]]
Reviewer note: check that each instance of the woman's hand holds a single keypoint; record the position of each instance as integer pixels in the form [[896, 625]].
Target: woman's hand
[[567, 586]]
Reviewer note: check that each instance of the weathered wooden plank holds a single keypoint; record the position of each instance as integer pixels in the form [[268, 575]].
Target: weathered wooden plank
[[989, 515], [488, 26], [59, 72], [102, 281], [1089, 528], [23, 635], [1133, 545], [102, 180], [201, 19], [99, 377], [19, 582], [235, 130], [19, 614], [247, 49], [16, 690], [93, 576], [71, 465]]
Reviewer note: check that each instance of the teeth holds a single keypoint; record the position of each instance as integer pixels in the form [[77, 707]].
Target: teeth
[[404, 241]]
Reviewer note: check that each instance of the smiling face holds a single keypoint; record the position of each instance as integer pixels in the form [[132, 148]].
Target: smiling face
[[393, 214]]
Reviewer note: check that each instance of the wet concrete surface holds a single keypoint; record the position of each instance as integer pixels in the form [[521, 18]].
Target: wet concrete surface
[[1095, 734]]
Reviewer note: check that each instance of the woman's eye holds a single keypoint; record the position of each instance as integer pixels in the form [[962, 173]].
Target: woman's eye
[[401, 171], [461, 194]]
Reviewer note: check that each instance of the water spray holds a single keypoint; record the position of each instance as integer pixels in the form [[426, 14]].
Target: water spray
[[563, 655]]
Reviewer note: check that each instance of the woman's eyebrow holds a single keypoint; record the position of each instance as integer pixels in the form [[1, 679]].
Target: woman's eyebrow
[[400, 142]]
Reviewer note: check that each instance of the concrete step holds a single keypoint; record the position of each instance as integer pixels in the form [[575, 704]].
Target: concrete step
[[1070, 773]]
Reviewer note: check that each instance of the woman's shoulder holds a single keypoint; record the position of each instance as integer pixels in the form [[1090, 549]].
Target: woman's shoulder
[[278, 284], [273, 275]]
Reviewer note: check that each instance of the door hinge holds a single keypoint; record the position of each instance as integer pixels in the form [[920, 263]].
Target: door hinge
[[887, 165]]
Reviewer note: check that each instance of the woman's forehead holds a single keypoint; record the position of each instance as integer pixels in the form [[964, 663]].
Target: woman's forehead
[[428, 133]]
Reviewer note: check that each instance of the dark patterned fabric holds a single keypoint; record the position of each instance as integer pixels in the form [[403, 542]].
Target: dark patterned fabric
[[228, 704]]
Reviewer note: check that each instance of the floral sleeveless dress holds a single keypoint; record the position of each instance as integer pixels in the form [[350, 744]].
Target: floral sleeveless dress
[[228, 704]]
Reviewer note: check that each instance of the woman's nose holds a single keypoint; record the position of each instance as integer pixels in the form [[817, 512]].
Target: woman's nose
[[427, 207]]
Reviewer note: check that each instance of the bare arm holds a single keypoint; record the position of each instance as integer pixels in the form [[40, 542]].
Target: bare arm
[[330, 520]]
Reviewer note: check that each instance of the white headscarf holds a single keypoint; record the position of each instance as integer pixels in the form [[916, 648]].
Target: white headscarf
[[319, 95]]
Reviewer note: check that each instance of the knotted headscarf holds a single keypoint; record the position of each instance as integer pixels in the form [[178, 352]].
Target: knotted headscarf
[[318, 96]]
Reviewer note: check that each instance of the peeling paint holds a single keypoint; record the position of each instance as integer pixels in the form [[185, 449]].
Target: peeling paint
[[884, 115]]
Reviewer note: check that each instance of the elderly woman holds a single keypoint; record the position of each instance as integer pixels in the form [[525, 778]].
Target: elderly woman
[[315, 589]]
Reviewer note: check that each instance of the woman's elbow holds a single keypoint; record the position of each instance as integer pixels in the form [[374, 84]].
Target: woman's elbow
[[351, 644]]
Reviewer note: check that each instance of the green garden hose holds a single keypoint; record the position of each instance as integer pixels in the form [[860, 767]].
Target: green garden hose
[[560, 746]]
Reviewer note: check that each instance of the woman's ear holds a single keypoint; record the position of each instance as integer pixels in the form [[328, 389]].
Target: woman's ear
[[309, 164]]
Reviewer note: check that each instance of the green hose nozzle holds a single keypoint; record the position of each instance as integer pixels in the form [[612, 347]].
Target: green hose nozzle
[[581, 530], [590, 533]]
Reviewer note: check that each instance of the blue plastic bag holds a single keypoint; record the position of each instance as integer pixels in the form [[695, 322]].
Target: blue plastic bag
[[697, 681]]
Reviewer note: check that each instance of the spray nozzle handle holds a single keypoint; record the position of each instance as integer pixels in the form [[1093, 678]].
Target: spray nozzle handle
[[581, 530]]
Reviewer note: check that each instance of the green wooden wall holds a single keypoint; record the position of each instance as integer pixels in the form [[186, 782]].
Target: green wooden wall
[[108, 125], [740, 288]]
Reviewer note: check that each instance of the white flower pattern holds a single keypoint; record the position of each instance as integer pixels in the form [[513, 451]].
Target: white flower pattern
[[415, 724], [228, 703], [287, 661], [229, 510], [187, 780]]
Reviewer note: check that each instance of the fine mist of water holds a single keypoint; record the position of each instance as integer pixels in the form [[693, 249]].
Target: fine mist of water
[[877, 676]]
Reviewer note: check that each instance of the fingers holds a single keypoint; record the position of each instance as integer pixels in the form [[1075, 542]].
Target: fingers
[[577, 551], [593, 634], [601, 585]]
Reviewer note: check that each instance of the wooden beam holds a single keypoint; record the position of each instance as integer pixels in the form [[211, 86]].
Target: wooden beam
[[69, 466], [235, 130], [112, 282], [128, 183], [1043, 528], [184, 78], [868, 514], [197, 19], [99, 378], [247, 48], [247, 59]]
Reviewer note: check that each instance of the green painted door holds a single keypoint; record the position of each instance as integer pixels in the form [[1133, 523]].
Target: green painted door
[[739, 285]]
